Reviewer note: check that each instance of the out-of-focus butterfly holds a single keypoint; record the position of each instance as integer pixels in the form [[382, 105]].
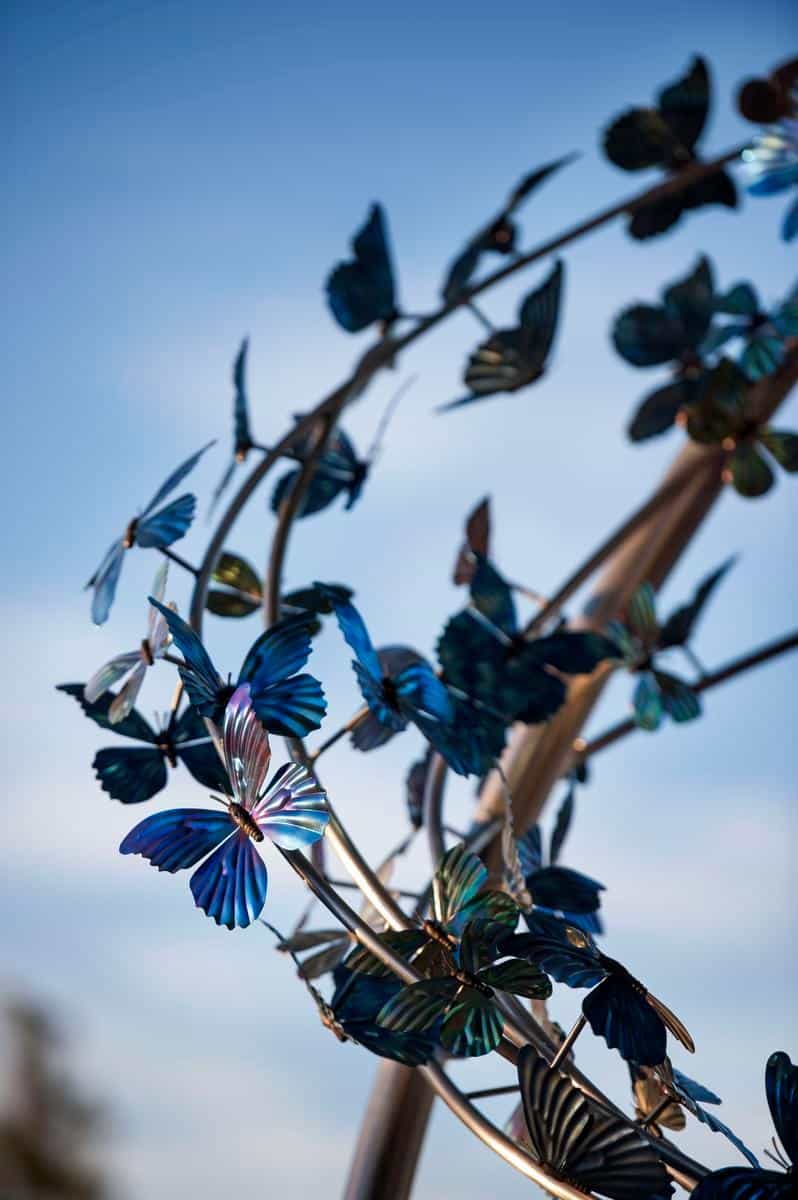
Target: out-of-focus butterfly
[[284, 701], [230, 885], [666, 136], [131, 667], [243, 440], [619, 1008], [154, 528], [499, 235], [581, 1143], [554, 887], [415, 785], [744, 1183], [132, 774], [764, 333], [514, 358], [771, 161], [485, 657], [641, 638], [476, 542], [361, 291], [356, 1003], [726, 413], [651, 335], [661, 1095]]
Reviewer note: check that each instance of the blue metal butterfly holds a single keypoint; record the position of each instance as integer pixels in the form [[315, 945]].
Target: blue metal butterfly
[[744, 1183], [765, 333], [150, 529], [134, 774], [243, 440], [230, 885], [285, 702], [339, 470], [356, 1002], [361, 290], [771, 161], [619, 1008]]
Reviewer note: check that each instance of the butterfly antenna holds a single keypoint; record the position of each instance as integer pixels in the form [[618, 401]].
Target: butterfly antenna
[[385, 420], [777, 1156]]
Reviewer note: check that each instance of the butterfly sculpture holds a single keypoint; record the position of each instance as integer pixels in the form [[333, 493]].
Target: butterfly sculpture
[[339, 471], [356, 1004], [581, 1143], [285, 702], [641, 638], [514, 358], [131, 667], [485, 656], [666, 136], [771, 161], [554, 887], [663, 1085], [756, 1183], [361, 291], [132, 774], [154, 528], [243, 441], [618, 1008], [764, 333], [726, 412], [651, 335], [452, 949], [230, 884], [499, 236], [415, 786]]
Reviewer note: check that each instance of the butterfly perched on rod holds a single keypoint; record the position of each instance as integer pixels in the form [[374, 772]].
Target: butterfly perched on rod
[[666, 136], [499, 236], [230, 884], [285, 702], [132, 774], [511, 359], [757, 1183], [131, 667], [154, 528], [456, 950], [641, 638], [618, 1008], [581, 1143], [361, 291]]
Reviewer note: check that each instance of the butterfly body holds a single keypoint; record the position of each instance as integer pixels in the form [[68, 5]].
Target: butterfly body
[[244, 821]]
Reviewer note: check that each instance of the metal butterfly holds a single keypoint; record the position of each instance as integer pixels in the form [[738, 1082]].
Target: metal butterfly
[[151, 529], [131, 667], [666, 136], [230, 884], [556, 888], [514, 358], [134, 774], [356, 1004], [285, 702], [764, 333], [771, 161], [581, 1143], [361, 291], [243, 440]]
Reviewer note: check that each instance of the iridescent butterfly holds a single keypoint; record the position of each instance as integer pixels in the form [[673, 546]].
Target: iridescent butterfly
[[132, 774], [339, 471], [651, 335], [285, 702], [512, 359], [771, 161], [581, 1143], [230, 884], [131, 667], [666, 136], [361, 290], [726, 412], [662, 1094], [764, 333], [243, 440], [356, 1004], [150, 529], [499, 235], [744, 1183], [554, 887], [619, 1008]]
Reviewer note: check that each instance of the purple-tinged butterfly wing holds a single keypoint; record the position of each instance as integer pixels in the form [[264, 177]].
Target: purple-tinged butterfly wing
[[130, 774], [167, 525], [125, 699], [174, 479], [293, 810], [104, 581], [246, 749], [231, 885], [178, 838]]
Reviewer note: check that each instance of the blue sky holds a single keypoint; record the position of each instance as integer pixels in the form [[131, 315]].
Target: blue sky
[[184, 174]]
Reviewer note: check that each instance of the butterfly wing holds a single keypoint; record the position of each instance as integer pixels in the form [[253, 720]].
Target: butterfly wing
[[679, 700], [564, 890], [178, 838], [472, 1026], [174, 479], [108, 674], [197, 672], [538, 316], [416, 1008], [419, 691], [292, 707], [781, 1088], [684, 105], [679, 627], [132, 726], [246, 750], [168, 524], [361, 290], [127, 695], [130, 774], [279, 652], [618, 1012], [242, 434], [293, 810], [492, 596], [230, 886], [459, 877], [104, 581], [562, 951], [741, 1183], [199, 755]]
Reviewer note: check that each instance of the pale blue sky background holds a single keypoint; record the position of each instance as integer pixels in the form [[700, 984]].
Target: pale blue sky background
[[182, 174]]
